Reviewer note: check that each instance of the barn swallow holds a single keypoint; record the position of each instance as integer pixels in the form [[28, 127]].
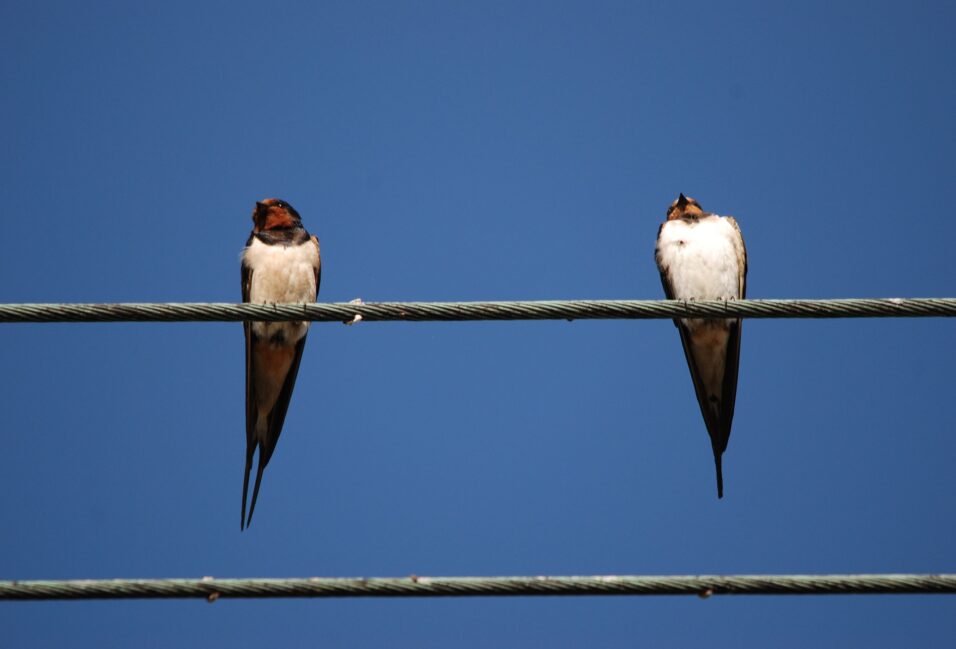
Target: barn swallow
[[701, 256], [280, 263]]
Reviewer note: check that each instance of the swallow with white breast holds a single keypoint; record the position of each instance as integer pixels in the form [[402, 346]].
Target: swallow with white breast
[[701, 256], [280, 264]]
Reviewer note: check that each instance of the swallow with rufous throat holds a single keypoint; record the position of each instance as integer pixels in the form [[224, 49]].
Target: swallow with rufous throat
[[701, 256], [280, 264]]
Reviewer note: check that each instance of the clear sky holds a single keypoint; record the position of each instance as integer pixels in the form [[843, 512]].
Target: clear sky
[[472, 151]]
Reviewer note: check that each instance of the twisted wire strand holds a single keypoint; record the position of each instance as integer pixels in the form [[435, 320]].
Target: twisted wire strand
[[705, 586], [457, 311]]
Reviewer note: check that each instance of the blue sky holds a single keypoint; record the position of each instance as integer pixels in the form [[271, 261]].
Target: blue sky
[[453, 151]]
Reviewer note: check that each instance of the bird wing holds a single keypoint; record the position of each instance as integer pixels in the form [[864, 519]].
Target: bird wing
[[250, 390], [733, 342], [741, 250], [318, 266]]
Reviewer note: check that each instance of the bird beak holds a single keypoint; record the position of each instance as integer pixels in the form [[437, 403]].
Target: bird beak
[[259, 214]]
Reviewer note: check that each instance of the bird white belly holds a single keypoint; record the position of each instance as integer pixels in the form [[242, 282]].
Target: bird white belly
[[281, 274], [701, 259]]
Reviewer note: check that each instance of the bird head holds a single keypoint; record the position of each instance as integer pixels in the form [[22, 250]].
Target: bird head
[[684, 207], [274, 214]]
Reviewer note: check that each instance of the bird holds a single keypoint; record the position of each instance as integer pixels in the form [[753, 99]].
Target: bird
[[701, 256], [281, 263]]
